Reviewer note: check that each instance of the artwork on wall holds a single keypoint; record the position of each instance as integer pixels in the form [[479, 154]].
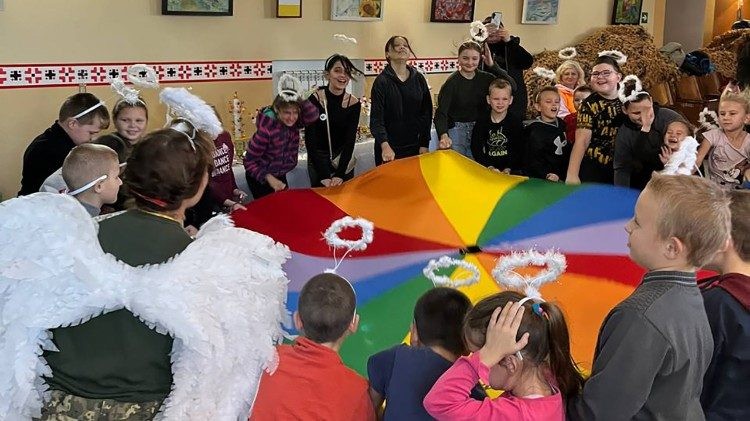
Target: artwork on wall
[[197, 7], [627, 12], [452, 11], [361, 10], [288, 8], [541, 12]]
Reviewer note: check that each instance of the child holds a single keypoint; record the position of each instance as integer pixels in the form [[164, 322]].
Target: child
[[310, 381], [579, 95], [461, 98], [92, 174], [655, 346], [598, 119], [727, 301], [727, 149], [222, 186], [523, 349], [81, 117], [569, 76], [403, 375], [495, 137], [130, 125], [547, 150], [675, 133], [273, 150], [639, 141]]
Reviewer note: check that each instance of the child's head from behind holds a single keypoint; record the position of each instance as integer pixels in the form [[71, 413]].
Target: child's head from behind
[[547, 102], [676, 132], [582, 92], [438, 319], [82, 116], [680, 223], [326, 310], [500, 95], [469, 55], [92, 172], [130, 120], [287, 111], [570, 74], [740, 234], [734, 111], [548, 343]]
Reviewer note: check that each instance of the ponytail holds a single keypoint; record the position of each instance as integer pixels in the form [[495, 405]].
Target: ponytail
[[561, 363]]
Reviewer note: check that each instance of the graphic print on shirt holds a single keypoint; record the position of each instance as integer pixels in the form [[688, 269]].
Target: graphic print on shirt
[[603, 127], [497, 143], [221, 161], [559, 144]]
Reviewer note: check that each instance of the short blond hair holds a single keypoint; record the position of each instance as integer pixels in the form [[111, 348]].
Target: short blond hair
[[570, 64], [741, 98], [695, 210], [740, 208], [86, 162]]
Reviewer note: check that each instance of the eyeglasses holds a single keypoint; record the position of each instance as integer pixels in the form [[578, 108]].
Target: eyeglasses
[[604, 73]]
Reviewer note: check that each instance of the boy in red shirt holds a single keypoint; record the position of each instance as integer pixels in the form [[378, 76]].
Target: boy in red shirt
[[311, 382]]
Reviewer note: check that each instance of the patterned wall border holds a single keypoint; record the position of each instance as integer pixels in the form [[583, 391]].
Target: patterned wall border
[[74, 74]]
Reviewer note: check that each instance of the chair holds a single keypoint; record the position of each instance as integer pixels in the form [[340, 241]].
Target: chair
[[710, 85], [662, 93]]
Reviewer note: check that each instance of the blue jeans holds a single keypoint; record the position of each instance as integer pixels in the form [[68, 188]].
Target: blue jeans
[[460, 136]]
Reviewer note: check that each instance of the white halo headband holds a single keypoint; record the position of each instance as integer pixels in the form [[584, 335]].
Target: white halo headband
[[87, 186], [290, 88], [89, 109], [505, 275], [637, 91], [683, 161], [182, 104], [478, 31], [446, 281], [332, 237], [149, 79], [617, 55], [708, 125], [545, 73], [567, 53], [345, 39], [183, 128], [128, 94]]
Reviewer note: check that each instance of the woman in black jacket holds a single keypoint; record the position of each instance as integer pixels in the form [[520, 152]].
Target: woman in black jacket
[[401, 114], [513, 58]]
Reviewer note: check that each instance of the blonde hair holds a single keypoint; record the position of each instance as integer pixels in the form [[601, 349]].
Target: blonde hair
[[740, 208], [86, 162], [741, 98], [696, 211], [570, 64]]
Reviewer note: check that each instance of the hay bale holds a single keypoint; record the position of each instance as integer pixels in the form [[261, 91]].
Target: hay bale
[[644, 59], [723, 51]]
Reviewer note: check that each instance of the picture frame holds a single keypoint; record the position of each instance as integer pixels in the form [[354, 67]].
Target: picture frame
[[357, 10], [197, 8], [288, 8], [452, 11], [627, 12], [540, 12]]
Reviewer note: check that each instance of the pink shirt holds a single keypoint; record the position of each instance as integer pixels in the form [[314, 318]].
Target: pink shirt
[[726, 163], [449, 398]]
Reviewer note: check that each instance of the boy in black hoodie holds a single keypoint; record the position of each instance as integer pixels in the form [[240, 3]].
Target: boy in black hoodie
[[497, 134], [547, 150]]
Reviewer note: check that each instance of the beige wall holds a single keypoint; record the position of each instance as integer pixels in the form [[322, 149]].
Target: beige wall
[[49, 31]]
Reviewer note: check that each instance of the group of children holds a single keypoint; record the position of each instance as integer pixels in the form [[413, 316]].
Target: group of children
[[671, 350]]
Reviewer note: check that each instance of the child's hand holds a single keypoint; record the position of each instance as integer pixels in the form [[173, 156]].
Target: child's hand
[[445, 142], [275, 183], [423, 150], [507, 171], [336, 181], [487, 56], [647, 120], [388, 153], [553, 177], [573, 179], [666, 152], [239, 195], [501, 334]]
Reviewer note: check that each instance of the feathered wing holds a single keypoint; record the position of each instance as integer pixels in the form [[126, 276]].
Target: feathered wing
[[52, 273]]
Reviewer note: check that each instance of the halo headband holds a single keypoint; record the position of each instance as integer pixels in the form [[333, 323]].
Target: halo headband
[[184, 128], [87, 186], [88, 110]]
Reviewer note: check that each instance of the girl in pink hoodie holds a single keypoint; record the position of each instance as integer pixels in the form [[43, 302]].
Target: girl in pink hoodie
[[520, 345]]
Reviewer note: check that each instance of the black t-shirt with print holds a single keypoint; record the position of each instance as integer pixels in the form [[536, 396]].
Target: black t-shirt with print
[[497, 144], [603, 117]]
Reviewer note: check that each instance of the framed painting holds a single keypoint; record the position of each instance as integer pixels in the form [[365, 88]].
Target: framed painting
[[358, 10], [540, 12], [627, 12], [288, 8], [452, 11], [197, 7]]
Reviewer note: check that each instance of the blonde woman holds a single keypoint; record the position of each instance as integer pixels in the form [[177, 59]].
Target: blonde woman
[[568, 76]]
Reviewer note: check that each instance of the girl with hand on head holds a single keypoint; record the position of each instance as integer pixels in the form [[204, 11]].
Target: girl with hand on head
[[330, 140], [401, 113]]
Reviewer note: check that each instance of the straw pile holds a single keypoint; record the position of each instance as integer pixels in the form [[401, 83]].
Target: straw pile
[[723, 51]]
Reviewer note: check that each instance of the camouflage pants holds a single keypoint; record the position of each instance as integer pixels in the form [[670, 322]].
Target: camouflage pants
[[64, 407]]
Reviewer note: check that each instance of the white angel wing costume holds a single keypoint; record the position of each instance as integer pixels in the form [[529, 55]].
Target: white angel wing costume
[[222, 299]]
